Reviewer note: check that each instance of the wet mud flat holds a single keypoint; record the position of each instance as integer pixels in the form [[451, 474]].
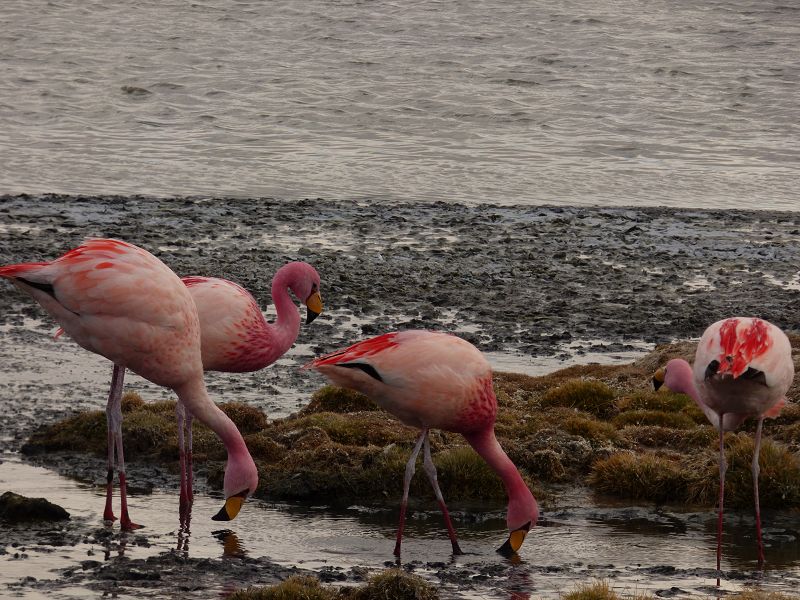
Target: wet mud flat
[[533, 280], [529, 285]]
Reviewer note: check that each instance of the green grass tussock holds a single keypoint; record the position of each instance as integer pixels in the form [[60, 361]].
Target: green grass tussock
[[779, 479], [651, 400], [640, 477], [391, 584], [654, 417], [601, 590], [338, 400], [297, 587], [591, 396]]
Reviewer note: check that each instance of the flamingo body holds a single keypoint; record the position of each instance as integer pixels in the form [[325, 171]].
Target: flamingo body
[[743, 368], [435, 380], [121, 302], [235, 336]]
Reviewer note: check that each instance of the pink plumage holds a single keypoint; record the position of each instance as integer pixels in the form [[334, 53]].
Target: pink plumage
[[119, 301], [743, 368], [235, 335], [435, 380]]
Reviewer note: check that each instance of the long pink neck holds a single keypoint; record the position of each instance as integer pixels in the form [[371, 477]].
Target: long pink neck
[[680, 378], [287, 324], [194, 396], [520, 498]]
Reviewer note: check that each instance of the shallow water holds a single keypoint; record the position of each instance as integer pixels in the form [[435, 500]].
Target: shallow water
[[636, 548], [611, 103]]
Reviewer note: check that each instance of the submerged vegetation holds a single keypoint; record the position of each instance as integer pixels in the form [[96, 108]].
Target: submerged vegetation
[[594, 425]]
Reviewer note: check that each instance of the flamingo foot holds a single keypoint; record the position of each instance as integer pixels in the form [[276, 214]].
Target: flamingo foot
[[125, 523], [108, 513]]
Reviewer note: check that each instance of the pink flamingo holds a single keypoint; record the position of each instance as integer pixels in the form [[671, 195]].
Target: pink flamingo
[[235, 338], [743, 368], [121, 302], [435, 380]]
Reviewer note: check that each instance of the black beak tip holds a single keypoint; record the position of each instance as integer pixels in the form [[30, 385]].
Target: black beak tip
[[310, 316], [222, 515], [657, 384], [506, 550]]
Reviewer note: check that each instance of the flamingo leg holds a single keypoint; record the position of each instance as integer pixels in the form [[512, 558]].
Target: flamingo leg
[[114, 410], [430, 470], [756, 470], [114, 398], [723, 465], [180, 414], [189, 468], [410, 466]]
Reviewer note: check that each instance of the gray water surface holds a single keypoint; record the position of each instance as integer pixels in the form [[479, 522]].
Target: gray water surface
[[678, 103]]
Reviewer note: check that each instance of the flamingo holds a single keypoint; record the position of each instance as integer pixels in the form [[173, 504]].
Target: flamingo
[[742, 368], [120, 301], [435, 380], [235, 338]]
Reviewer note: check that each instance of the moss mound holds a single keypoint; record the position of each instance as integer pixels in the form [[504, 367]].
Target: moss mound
[[779, 478], [592, 396], [295, 588], [596, 425], [600, 590], [392, 584], [640, 477], [338, 400]]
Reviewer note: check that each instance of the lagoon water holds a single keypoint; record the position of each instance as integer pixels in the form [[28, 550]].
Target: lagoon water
[[677, 103]]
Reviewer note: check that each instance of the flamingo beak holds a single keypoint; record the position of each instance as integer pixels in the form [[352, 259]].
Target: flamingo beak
[[658, 379], [313, 307], [514, 541], [231, 507]]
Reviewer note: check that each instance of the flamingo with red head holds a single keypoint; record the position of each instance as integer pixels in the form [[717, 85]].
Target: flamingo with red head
[[435, 380], [743, 368], [120, 301]]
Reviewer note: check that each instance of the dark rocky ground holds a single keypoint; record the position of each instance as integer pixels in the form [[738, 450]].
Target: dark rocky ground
[[524, 278]]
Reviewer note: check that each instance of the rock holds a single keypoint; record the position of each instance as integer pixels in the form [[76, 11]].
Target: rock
[[15, 508]]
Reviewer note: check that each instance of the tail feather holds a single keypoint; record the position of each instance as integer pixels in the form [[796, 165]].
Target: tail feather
[[14, 271], [358, 350]]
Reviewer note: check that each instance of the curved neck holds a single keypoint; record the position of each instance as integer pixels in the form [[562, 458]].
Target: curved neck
[[287, 322], [680, 378], [195, 398], [519, 496]]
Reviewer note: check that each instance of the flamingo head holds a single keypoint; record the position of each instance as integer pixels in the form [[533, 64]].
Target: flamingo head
[[676, 375], [304, 283], [241, 480], [523, 512]]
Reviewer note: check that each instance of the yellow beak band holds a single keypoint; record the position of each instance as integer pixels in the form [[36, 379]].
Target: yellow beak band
[[514, 541], [658, 378], [231, 508], [516, 538], [314, 306]]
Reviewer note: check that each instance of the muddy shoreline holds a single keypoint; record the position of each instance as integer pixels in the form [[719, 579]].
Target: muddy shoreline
[[526, 282]]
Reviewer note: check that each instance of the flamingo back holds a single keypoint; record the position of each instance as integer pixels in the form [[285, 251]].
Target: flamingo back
[[235, 336], [120, 301], [425, 378]]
